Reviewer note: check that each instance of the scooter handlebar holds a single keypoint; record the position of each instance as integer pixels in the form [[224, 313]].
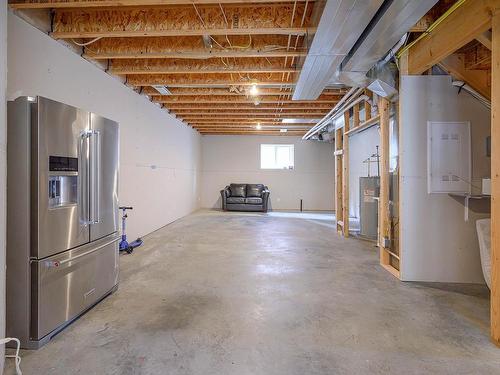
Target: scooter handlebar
[[126, 208]]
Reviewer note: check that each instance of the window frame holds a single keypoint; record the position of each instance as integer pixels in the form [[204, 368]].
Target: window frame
[[291, 148]]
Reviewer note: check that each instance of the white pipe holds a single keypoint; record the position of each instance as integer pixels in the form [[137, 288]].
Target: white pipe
[[325, 118], [349, 100]]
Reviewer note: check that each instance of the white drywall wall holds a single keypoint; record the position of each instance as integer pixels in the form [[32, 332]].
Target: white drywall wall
[[436, 243], [236, 159], [159, 156], [3, 164], [361, 147]]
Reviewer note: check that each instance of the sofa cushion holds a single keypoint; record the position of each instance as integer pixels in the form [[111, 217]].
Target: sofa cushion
[[255, 190], [235, 200], [253, 200], [238, 190]]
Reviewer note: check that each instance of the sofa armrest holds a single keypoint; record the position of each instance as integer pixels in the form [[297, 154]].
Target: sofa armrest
[[224, 194], [265, 198]]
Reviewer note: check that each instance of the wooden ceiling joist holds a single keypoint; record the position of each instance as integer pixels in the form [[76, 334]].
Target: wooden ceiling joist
[[241, 99], [177, 107], [193, 47], [48, 4], [182, 91], [210, 66], [251, 112], [464, 24], [242, 118], [207, 80], [247, 123], [183, 21], [254, 132]]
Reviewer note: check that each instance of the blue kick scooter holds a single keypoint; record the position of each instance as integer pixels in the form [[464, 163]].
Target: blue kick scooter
[[124, 245]]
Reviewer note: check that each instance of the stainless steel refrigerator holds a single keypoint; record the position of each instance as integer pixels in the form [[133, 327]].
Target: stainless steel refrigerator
[[62, 216]]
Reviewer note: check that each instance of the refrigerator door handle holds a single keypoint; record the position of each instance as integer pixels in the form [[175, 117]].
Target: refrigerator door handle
[[95, 158], [55, 263], [83, 148]]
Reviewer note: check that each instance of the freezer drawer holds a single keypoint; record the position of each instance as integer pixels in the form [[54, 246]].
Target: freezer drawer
[[71, 282]]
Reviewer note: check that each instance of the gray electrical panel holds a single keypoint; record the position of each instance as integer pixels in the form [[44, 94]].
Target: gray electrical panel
[[369, 189]]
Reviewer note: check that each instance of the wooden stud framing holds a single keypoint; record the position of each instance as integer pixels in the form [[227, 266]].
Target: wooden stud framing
[[338, 181], [345, 174], [495, 180], [384, 212]]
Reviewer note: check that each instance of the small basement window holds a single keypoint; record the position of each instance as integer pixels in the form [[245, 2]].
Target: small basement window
[[276, 156]]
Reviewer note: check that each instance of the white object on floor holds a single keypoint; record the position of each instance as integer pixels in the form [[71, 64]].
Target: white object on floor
[[16, 356], [483, 227]]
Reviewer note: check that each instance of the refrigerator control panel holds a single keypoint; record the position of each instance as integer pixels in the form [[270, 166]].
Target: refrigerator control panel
[[63, 164]]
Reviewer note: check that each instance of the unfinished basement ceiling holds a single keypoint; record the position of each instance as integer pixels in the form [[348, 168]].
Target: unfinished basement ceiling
[[223, 67]]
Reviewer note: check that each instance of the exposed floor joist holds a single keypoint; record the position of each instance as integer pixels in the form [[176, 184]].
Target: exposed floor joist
[[207, 54], [178, 21], [193, 47], [234, 91], [48, 4]]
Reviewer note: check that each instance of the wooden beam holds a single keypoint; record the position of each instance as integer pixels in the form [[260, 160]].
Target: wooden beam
[[249, 123], [182, 21], [54, 4], [194, 47], [247, 114], [479, 80], [468, 21], [203, 107], [485, 39], [252, 132], [338, 182], [345, 174], [368, 106], [383, 210], [255, 117], [183, 91], [286, 111], [210, 66], [495, 181], [214, 99], [208, 80]]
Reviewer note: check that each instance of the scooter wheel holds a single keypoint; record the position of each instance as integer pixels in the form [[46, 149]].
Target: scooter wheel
[[130, 250]]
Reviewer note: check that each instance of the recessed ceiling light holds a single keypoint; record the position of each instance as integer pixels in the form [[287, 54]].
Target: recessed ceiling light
[[254, 91], [283, 130], [258, 127]]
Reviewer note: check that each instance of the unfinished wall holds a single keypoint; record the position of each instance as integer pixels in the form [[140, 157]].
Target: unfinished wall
[[236, 159], [361, 147], [436, 243], [3, 170], [159, 156]]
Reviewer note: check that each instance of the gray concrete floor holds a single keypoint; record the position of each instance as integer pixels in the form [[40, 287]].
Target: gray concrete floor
[[228, 293]]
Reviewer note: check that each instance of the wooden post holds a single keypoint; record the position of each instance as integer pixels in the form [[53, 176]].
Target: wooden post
[[345, 174], [495, 180], [338, 180], [368, 106], [383, 213]]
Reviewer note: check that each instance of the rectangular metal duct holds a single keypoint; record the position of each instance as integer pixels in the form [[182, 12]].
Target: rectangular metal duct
[[397, 19], [340, 26]]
